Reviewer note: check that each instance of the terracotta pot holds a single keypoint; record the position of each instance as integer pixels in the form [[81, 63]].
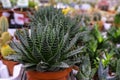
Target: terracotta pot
[[10, 65], [60, 75], [100, 25], [112, 11]]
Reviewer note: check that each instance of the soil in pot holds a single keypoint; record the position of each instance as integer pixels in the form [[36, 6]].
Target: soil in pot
[[60, 75]]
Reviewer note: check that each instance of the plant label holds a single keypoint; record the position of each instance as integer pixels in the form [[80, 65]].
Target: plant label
[[6, 3], [19, 18], [22, 3]]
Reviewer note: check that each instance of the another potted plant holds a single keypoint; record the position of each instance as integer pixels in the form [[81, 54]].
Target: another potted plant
[[114, 35], [86, 72], [3, 25], [48, 52], [98, 49], [97, 20], [5, 49]]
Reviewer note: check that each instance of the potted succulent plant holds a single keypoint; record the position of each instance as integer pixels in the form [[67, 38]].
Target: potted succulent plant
[[48, 52], [86, 72], [95, 44], [5, 49], [99, 51], [3, 25]]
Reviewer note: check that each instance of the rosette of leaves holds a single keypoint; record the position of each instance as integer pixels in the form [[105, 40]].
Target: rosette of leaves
[[118, 69], [54, 17], [86, 72], [103, 43], [46, 48], [106, 59], [97, 16], [114, 35], [103, 73], [117, 52], [95, 44], [84, 19]]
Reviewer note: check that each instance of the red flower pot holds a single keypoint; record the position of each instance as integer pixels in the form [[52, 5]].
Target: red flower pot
[[60, 75]]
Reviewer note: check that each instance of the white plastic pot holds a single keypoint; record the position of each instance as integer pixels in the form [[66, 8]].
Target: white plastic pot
[[3, 71], [107, 26], [17, 72]]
